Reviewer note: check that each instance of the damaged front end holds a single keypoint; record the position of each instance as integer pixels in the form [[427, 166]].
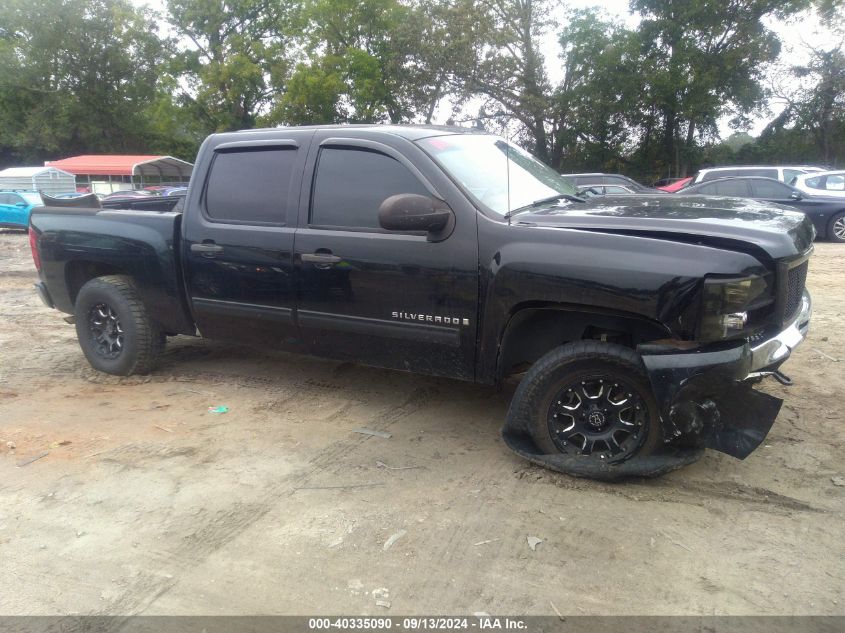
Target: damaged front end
[[707, 394], [705, 398]]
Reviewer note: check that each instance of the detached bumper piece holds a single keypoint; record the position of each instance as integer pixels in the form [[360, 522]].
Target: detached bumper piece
[[709, 394]]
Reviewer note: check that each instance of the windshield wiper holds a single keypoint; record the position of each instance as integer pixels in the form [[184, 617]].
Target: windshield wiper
[[542, 201]]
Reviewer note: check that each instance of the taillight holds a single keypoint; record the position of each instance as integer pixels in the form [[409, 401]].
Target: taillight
[[33, 244]]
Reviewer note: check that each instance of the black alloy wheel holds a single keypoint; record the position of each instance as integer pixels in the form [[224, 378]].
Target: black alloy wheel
[[106, 332], [602, 416]]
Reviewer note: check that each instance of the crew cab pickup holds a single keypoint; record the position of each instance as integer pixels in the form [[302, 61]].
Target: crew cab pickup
[[639, 325]]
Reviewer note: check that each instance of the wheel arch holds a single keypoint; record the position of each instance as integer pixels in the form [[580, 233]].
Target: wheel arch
[[80, 272], [535, 328]]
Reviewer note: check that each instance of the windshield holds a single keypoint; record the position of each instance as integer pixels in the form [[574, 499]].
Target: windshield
[[484, 164], [31, 198]]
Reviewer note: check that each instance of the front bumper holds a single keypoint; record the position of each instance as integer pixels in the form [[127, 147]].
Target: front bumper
[[773, 351], [707, 393]]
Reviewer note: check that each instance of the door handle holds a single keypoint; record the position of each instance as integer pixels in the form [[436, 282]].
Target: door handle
[[320, 258], [206, 249]]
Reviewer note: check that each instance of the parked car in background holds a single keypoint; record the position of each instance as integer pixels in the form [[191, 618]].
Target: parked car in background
[[583, 181], [825, 183], [15, 207], [175, 191], [676, 185], [784, 173], [827, 213]]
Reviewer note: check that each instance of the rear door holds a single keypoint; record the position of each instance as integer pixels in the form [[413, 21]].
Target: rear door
[[774, 191], [383, 298], [238, 245]]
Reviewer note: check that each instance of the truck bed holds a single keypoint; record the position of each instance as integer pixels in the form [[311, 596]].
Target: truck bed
[[76, 243]]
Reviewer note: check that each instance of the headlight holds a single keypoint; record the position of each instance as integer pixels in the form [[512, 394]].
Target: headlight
[[726, 304]]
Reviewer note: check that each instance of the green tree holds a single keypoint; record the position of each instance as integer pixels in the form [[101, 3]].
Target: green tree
[[595, 105], [234, 57], [372, 61], [75, 76], [705, 59], [507, 69]]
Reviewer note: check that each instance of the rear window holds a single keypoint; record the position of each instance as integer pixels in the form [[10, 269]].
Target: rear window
[[250, 186]]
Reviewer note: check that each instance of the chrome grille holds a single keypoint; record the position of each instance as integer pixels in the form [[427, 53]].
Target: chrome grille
[[795, 281]]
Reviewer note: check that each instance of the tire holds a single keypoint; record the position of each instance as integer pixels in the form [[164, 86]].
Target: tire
[[589, 399], [114, 328], [836, 228]]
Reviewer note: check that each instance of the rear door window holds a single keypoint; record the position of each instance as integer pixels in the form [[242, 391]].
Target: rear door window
[[834, 183], [815, 183], [731, 188], [351, 184], [770, 189], [250, 185]]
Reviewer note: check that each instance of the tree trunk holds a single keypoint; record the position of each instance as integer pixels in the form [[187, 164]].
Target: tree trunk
[[682, 173]]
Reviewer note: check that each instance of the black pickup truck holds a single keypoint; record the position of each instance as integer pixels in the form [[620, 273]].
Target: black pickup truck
[[639, 324]]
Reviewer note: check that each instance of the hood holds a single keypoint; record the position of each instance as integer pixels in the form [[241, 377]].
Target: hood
[[777, 230]]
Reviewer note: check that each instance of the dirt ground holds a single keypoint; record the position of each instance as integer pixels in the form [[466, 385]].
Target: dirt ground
[[145, 503]]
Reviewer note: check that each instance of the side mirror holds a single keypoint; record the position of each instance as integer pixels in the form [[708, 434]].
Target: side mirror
[[412, 212]]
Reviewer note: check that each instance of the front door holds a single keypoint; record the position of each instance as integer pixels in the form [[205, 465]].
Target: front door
[[238, 248], [383, 298]]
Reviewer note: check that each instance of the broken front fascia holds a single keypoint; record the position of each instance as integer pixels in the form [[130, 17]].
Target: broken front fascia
[[708, 393], [704, 395]]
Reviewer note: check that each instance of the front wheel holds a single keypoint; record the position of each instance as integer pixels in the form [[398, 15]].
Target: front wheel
[[114, 329], [590, 400], [836, 228]]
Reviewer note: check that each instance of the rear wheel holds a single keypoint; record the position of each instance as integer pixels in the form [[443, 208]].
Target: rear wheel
[[591, 400], [836, 228], [114, 328]]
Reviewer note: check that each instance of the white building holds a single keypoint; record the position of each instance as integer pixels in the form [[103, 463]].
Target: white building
[[43, 179]]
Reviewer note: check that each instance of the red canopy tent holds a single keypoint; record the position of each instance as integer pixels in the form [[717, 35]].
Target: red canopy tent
[[133, 169]]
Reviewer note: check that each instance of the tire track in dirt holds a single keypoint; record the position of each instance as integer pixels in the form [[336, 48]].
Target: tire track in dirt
[[223, 526], [689, 492]]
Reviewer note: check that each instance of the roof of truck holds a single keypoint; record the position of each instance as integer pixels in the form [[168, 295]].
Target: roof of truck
[[410, 132]]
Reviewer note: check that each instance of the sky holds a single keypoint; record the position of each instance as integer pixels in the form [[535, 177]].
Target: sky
[[793, 34]]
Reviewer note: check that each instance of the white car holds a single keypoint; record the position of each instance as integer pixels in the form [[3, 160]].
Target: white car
[[826, 183], [784, 173]]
